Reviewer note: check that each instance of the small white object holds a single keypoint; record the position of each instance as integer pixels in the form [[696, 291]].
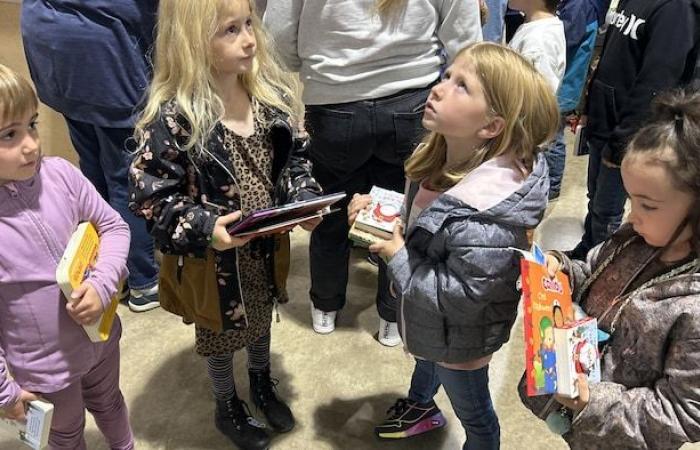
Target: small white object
[[35, 432]]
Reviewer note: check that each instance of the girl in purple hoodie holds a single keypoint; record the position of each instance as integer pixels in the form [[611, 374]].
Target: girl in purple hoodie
[[44, 351]]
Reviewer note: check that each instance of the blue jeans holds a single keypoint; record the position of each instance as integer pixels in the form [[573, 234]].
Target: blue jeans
[[104, 160], [468, 391], [493, 28], [606, 201], [556, 160]]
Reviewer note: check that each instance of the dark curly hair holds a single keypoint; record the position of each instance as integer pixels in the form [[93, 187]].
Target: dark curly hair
[[672, 139]]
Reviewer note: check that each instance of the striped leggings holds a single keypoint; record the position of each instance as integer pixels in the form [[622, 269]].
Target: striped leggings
[[220, 367]]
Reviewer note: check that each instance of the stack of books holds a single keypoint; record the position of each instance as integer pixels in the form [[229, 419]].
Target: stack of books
[[376, 223]]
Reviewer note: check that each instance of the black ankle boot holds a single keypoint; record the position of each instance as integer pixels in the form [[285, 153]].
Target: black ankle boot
[[234, 420], [262, 392]]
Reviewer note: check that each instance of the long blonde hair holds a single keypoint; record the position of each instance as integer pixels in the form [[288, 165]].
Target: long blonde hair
[[515, 91], [183, 69], [16, 95]]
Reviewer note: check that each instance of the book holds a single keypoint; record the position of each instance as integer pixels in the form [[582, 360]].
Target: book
[[576, 347], [77, 262], [380, 217], [35, 431], [270, 220], [362, 238], [547, 304]]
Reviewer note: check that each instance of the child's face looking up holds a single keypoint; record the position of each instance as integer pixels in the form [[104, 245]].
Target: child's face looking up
[[457, 107], [233, 45], [658, 207], [19, 148]]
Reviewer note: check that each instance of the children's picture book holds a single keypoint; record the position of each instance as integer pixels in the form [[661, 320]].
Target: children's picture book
[[576, 346], [75, 266], [270, 220], [547, 305], [35, 431], [381, 216]]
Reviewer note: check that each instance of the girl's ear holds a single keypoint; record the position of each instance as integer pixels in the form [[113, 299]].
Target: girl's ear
[[492, 129]]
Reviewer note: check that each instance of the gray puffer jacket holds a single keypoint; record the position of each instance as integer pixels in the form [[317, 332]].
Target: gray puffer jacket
[[457, 274]]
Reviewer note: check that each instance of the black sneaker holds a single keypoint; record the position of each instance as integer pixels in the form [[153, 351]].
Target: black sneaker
[[144, 300], [408, 418], [234, 420], [262, 393]]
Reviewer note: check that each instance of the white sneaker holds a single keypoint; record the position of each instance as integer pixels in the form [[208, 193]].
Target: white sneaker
[[388, 333], [323, 322]]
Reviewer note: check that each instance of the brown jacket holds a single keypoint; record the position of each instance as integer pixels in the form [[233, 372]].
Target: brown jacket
[[649, 397]]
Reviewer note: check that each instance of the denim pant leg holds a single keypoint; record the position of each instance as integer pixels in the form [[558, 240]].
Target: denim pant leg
[[468, 391], [556, 161], [424, 382], [104, 160], [606, 201]]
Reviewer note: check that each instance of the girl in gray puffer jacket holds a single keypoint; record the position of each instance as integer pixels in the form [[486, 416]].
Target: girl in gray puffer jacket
[[643, 286], [476, 186]]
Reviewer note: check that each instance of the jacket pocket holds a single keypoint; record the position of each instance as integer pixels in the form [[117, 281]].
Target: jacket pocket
[[331, 132], [602, 109], [188, 288]]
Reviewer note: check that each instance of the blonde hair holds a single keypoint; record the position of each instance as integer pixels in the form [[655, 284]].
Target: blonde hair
[[183, 69], [515, 91], [16, 95], [388, 7]]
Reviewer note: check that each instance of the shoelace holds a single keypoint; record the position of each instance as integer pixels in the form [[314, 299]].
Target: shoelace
[[398, 408], [266, 391], [244, 412]]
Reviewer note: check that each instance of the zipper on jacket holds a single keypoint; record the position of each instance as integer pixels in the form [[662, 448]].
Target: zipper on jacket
[[51, 246], [180, 265]]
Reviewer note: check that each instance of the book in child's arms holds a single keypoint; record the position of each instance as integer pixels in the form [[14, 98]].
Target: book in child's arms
[[271, 220], [547, 305], [383, 212], [75, 266], [35, 431], [577, 353], [362, 238]]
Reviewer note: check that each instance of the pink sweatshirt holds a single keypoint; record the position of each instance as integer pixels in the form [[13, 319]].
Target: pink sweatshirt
[[40, 345]]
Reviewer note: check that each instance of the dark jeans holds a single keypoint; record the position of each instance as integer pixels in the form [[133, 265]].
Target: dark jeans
[[606, 201], [104, 160], [556, 161], [468, 391], [355, 146]]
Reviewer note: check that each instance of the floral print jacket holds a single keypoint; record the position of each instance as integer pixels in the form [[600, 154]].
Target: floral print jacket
[[181, 193]]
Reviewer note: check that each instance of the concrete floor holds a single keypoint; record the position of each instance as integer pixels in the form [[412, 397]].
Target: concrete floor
[[338, 385]]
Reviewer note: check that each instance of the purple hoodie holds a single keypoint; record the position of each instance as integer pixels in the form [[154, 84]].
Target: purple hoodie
[[40, 345]]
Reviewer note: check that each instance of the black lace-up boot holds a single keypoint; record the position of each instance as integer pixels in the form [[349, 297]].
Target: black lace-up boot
[[234, 420], [262, 393]]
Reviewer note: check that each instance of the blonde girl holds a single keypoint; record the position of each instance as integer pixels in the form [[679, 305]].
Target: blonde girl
[[217, 141], [476, 184]]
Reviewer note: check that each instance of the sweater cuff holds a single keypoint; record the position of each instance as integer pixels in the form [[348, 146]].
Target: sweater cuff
[[10, 393]]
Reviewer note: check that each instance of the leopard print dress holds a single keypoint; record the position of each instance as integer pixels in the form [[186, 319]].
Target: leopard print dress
[[252, 160]]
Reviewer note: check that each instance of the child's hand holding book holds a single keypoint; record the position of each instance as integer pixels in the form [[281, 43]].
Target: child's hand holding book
[[85, 307], [584, 394], [18, 410], [388, 248], [358, 203], [221, 239]]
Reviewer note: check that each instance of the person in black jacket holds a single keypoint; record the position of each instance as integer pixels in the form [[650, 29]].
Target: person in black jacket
[[649, 48]]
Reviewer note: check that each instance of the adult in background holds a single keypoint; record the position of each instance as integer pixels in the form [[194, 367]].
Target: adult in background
[[650, 47], [367, 68], [88, 62]]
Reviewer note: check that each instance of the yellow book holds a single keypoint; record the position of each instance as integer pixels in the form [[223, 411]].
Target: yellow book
[[78, 260]]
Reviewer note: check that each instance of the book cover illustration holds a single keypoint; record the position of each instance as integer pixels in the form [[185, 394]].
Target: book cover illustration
[[547, 304], [35, 432], [77, 263], [576, 353], [381, 216]]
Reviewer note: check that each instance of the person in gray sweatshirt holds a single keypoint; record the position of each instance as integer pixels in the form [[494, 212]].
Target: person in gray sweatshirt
[[367, 68]]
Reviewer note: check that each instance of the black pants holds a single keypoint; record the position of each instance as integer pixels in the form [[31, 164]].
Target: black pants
[[356, 146]]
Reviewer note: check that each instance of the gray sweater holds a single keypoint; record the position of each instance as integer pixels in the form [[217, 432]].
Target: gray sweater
[[345, 52]]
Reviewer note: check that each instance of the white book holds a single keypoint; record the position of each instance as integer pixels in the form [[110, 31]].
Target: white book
[[576, 347], [35, 432], [379, 219]]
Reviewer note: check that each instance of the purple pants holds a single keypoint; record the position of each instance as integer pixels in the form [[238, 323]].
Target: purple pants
[[99, 392]]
